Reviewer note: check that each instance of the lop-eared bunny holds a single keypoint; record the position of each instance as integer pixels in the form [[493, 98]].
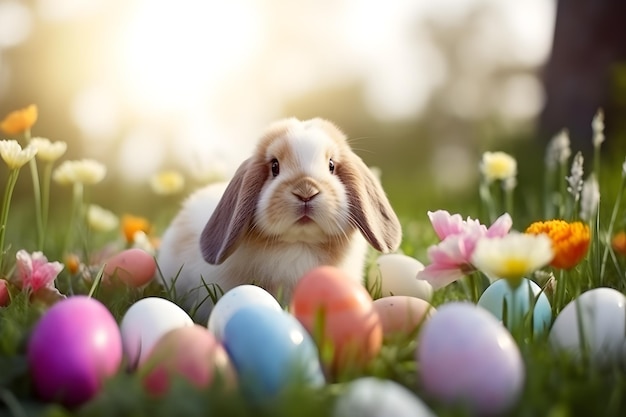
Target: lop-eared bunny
[[302, 200]]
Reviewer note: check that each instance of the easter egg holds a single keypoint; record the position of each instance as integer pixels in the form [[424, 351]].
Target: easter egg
[[401, 315], [271, 351], [466, 357], [145, 322], [233, 300], [499, 294], [191, 352], [396, 274], [340, 315], [73, 348], [601, 315], [135, 267], [373, 397]]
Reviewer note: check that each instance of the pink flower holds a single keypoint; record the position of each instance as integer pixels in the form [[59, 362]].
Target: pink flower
[[5, 297], [34, 272], [451, 258]]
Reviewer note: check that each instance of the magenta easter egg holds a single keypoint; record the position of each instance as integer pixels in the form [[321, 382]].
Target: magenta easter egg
[[73, 348]]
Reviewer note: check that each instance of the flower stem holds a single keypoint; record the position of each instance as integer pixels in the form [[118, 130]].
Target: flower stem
[[609, 233], [45, 200], [4, 215], [37, 196]]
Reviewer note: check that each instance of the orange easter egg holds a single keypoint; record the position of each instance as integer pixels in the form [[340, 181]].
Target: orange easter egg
[[190, 352], [402, 315], [135, 267], [339, 313]]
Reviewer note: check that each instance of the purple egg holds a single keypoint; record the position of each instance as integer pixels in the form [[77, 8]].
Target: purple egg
[[73, 348]]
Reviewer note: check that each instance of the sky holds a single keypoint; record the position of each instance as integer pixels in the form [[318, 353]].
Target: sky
[[193, 82]]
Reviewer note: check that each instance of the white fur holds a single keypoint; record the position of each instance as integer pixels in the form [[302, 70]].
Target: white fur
[[287, 248]]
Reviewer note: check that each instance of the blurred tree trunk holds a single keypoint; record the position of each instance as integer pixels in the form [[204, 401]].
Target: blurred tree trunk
[[586, 70]]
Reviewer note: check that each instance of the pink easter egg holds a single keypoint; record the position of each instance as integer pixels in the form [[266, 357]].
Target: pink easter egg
[[190, 352], [73, 348], [134, 266]]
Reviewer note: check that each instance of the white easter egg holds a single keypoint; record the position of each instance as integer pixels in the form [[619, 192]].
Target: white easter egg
[[233, 300], [467, 357], [145, 322], [396, 274], [373, 397], [518, 304], [601, 315]]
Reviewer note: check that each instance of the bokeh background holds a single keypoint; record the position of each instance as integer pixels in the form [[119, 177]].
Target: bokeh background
[[422, 87]]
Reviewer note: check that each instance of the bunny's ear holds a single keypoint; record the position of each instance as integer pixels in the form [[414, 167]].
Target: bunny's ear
[[369, 208], [234, 213]]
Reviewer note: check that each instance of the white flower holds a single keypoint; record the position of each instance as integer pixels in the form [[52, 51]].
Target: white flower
[[48, 151], [512, 256], [100, 219], [84, 171], [167, 182], [559, 150], [589, 198], [624, 169], [498, 166], [575, 180], [13, 154], [597, 125], [142, 241]]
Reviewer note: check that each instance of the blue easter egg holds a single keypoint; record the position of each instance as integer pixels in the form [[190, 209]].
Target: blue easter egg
[[522, 297], [270, 351]]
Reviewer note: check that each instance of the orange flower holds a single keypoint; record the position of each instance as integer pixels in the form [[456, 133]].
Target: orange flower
[[570, 241], [133, 224], [19, 121], [619, 243]]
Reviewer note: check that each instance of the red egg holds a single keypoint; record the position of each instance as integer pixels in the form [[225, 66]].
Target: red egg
[[402, 315], [134, 267], [340, 315], [189, 352]]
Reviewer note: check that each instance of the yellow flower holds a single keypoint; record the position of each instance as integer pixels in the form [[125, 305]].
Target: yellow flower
[[100, 219], [19, 121], [498, 166], [570, 241], [512, 256], [48, 151], [84, 171], [167, 182], [133, 224], [13, 154]]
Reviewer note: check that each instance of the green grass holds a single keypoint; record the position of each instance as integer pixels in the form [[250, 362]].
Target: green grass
[[556, 385]]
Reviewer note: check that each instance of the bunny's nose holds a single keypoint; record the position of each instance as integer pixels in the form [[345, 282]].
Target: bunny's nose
[[305, 198], [305, 191]]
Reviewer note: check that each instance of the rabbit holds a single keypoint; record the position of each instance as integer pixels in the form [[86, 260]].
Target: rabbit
[[302, 200]]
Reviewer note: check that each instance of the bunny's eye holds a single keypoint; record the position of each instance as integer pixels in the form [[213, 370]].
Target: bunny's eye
[[275, 167], [331, 166]]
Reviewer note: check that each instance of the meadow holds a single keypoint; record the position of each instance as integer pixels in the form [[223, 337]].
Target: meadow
[[590, 243]]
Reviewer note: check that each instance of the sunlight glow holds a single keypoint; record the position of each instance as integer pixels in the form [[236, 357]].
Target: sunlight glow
[[174, 52]]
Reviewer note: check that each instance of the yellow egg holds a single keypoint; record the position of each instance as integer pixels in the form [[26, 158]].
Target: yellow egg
[[402, 315]]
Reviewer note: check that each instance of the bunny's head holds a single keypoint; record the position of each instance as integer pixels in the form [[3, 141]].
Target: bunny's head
[[302, 184]]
